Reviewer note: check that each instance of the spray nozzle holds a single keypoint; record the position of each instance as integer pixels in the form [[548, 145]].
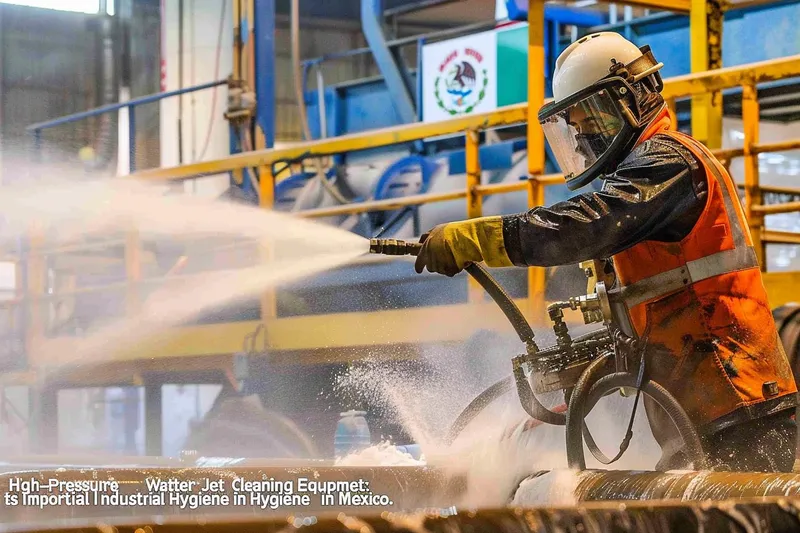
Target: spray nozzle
[[393, 247]]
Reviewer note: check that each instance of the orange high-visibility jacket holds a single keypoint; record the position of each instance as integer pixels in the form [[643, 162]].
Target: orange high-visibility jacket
[[701, 303]]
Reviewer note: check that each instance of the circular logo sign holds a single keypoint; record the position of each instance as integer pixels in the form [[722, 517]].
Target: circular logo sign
[[461, 83]]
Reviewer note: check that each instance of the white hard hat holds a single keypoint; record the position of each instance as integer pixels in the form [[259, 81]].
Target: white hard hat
[[588, 60]]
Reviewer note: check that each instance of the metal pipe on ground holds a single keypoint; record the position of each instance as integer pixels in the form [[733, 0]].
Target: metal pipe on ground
[[408, 488]]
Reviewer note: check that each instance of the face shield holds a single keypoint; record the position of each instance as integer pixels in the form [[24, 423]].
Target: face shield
[[587, 129]]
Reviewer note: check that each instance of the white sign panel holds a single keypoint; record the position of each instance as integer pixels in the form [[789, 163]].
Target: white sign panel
[[501, 10], [459, 77]]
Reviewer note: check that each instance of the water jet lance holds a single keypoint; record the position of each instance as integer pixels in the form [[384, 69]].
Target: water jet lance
[[584, 368], [394, 247]]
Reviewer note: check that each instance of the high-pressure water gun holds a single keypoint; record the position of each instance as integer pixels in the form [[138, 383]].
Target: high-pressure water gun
[[394, 247]]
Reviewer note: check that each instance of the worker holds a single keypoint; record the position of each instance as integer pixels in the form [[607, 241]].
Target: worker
[[669, 220]]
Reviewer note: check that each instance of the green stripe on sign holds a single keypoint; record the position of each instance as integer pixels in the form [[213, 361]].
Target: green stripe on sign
[[512, 66]]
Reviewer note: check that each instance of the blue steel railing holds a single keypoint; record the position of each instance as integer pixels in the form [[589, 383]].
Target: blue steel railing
[[36, 129]]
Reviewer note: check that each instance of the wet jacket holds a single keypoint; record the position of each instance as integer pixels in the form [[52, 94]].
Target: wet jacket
[[661, 218]]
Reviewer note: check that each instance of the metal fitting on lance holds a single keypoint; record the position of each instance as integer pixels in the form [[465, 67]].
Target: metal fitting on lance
[[393, 247], [590, 306]]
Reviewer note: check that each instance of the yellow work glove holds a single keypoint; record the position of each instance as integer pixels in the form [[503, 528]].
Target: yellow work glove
[[448, 248]]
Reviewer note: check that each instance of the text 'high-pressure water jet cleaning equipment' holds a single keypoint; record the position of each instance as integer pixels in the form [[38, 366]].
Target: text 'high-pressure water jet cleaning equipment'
[[585, 368]]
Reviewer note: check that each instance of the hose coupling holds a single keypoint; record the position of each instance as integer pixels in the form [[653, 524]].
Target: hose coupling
[[393, 247], [590, 307]]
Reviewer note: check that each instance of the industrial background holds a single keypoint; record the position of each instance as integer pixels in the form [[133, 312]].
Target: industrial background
[[169, 90]]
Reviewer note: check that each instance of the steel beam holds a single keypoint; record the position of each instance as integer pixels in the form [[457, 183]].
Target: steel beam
[[509, 115], [752, 191], [474, 199], [396, 82], [536, 141], [303, 339], [265, 69], [116, 107], [677, 6], [780, 237], [776, 209], [705, 27], [726, 78], [677, 87]]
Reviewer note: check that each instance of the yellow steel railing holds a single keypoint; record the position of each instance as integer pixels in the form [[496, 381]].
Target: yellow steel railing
[[674, 88], [746, 76]]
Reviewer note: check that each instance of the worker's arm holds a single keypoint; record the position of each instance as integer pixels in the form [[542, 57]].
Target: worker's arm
[[656, 193]]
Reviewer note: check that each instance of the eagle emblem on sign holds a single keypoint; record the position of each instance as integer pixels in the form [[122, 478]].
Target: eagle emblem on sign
[[461, 84]]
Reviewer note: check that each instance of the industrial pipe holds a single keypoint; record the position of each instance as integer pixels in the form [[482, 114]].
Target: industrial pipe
[[301, 105], [699, 486]]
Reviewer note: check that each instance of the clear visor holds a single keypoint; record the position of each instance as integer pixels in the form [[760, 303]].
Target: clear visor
[[581, 133]]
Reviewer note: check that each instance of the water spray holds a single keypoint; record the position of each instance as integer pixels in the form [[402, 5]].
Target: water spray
[[584, 368]]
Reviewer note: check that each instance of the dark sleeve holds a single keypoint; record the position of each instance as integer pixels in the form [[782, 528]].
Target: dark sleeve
[[656, 193]]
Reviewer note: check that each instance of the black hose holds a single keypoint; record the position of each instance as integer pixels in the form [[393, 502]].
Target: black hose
[[531, 403], [576, 410], [583, 403], [506, 304], [477, 405], [484, 279], [527, 397], [533, 407]]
